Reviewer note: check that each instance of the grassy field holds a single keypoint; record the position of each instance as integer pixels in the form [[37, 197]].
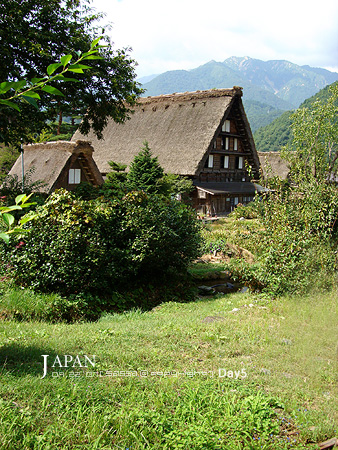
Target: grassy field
[[229, 372]]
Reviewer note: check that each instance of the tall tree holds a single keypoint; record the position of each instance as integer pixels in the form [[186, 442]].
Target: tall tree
[[313, 157], [314, 151], [33, 33]]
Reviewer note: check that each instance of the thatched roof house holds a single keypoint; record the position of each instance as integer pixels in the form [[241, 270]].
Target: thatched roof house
[[58, 164], [204, 135], [180, 129], [273, 165]]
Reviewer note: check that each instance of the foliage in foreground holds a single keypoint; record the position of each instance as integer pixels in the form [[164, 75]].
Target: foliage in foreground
[[29, 92], [7, 219], [80, 247], [191, 415]]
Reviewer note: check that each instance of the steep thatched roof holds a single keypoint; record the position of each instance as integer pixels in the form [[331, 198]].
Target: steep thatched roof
[[178, 127], [273, 165], [47, 160]]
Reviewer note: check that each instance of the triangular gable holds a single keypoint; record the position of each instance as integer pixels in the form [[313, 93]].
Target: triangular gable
[[236, 113]]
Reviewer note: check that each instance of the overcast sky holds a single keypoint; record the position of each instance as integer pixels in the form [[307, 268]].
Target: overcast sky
[[183, 34]]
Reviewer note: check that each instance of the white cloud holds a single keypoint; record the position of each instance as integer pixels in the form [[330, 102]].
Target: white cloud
[[182, 34]]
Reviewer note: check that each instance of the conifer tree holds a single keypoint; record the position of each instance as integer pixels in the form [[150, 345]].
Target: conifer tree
[[145, 172]]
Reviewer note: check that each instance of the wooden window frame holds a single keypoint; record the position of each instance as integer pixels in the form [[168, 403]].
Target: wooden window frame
[[226, 126], [209, 163], [74, 176]]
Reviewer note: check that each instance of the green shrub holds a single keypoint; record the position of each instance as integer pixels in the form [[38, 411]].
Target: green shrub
[[87, 191], [297, 249], [12, 187], [78, 247], [250, 211], [293, 263]]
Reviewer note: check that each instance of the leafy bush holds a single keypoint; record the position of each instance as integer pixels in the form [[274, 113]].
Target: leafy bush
[[87, 191], [250, 211], [8, 156], [297, 251], [78, 247], [293, 241]]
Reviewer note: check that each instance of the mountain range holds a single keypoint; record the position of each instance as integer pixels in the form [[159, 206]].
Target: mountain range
[[269, 87]]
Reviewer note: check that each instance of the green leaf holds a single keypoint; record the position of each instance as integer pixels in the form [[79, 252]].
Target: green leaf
[[91, 52], [31, 101], [8, 219], [31, 94], [20, 198], [52, 68], [6, 86], [18, 85], [5, 209], [93, 57], [26, 219], [38, 80], [78, 66], [65, 59], [63, 78], [27, 205], [95, 42], [4, 237], [52, 90], [76, 70], [27, 197], [10, 104]]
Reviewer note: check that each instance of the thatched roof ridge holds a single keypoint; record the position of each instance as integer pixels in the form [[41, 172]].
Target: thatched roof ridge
[[194, 95], [72, 147], [272, 164], [178, 127]]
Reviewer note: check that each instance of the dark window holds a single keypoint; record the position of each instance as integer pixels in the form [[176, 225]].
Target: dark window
[[239, 164]]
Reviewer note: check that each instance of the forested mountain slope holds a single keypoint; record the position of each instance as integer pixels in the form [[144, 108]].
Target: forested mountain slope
[[278, 133]]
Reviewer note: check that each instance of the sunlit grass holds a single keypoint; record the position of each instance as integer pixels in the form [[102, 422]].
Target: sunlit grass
[[156, 381]]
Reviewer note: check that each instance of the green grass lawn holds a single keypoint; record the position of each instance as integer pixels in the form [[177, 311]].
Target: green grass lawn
[[156, 383]]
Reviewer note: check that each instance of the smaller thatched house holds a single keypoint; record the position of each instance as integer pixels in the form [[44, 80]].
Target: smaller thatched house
[[273, 165], [59, 164]]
